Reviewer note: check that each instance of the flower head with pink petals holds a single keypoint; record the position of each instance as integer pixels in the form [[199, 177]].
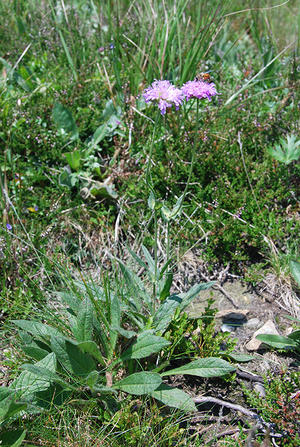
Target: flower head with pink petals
[[199, 90], [165, 94]]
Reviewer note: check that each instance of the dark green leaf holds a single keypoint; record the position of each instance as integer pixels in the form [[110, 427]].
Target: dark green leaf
[[12, 438], [139, 383], [71, 357], [240, 357], [64, 120], [145, 346]]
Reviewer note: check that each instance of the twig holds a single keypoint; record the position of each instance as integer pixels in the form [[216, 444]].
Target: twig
[[229, 431], [224, 403], [249, 376]]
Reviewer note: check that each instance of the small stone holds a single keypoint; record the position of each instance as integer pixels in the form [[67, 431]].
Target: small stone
[[260, 389], [228, 328], [267, 328], [252, 323]]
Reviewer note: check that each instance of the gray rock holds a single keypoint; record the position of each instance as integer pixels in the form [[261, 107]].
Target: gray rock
[[267, 328]]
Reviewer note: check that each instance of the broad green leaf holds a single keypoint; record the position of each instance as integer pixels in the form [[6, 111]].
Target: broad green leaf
[[74, 159], [92, 378], [295, 335], [194, 291], [277, 341], [139, 383], [12, 438], [165, 286], [150, 261], [4, 392], [9, 408], [98, 136], [115, 311], [173, 397], [70, 299], [36, 328], [35, 352], [124, 332], [207, 367], [295, 269], [103, 190], [84, 329], [30, 382], [240, 357], [165, 313], [67, 178], [71, 357], [45, 374], [136, 291], [91, 348], [64, 120], [145, 346]]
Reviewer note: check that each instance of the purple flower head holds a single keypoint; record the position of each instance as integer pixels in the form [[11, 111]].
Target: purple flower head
[[165, 94], [199, 89], [9, 227]]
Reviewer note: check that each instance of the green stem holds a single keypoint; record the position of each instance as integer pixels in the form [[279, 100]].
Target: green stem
[[155, 258], [148, 172], [195, 146]]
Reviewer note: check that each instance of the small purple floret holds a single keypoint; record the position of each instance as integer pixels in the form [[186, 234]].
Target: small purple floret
[[199, 90], [9, 227], [165, 94]]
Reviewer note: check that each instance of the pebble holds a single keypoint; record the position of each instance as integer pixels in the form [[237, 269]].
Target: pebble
[[252, 323], [267, 328]]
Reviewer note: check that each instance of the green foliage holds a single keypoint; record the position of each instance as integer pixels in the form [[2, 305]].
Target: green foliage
[[72, 120], [295, 269], [197, 337], [287, 151], [280, 406], [291, 342], [92, 350]]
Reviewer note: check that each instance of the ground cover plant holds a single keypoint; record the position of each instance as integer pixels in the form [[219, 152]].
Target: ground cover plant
[[130, 133]]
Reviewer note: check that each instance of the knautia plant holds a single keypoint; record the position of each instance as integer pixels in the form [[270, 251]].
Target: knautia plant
[[165, 94]]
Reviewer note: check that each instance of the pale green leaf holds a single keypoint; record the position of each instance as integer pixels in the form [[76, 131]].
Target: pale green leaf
[[173, 397], [84, 328], [277, 341], [295, 269], [64, 120], [165, 313], [206, 367]]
